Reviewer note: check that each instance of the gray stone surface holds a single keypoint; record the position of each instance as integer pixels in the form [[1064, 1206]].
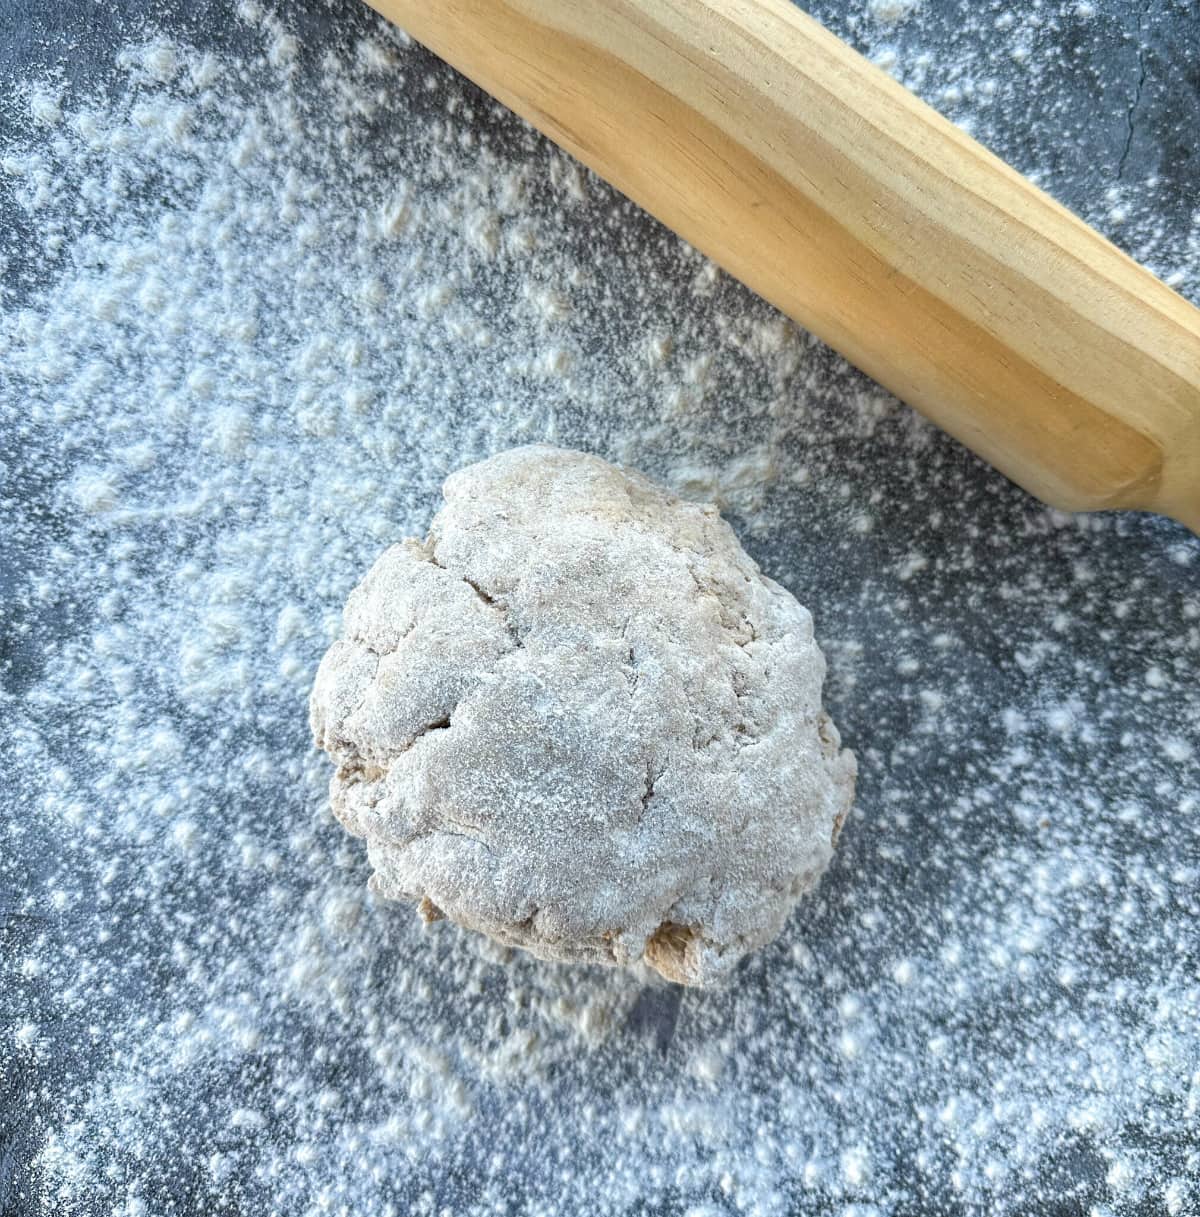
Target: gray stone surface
[[1114, 107]]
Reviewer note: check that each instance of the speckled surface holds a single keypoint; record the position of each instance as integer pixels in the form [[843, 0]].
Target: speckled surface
[[1007, 675]]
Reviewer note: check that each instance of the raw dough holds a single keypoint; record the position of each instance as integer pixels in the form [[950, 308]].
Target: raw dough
[[578, 719]]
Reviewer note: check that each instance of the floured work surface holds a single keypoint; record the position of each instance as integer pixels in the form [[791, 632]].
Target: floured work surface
[[267, 283]]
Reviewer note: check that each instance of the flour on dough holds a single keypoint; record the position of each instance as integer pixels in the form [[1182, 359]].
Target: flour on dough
[[577, 718]]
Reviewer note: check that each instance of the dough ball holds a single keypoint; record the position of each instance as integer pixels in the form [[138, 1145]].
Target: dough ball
[[578, 719]]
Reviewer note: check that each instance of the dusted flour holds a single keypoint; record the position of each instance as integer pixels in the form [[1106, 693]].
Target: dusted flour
[[258, 304]]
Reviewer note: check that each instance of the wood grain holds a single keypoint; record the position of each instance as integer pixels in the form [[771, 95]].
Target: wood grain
[[856, 209]]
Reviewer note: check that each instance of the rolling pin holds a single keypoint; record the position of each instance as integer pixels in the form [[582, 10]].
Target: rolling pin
[[830, 190]]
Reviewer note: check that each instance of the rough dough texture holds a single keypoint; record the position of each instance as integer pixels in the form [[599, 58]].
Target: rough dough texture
[[578, 719]]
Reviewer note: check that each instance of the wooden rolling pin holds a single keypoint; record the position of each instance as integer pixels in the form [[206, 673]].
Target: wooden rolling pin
[[845, 201]]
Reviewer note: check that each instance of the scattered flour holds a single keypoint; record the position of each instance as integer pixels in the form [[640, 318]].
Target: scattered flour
[[889, 12], [257, 305]]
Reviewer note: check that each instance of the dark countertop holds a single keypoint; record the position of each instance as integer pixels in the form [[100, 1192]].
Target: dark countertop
[[1112, 129]]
